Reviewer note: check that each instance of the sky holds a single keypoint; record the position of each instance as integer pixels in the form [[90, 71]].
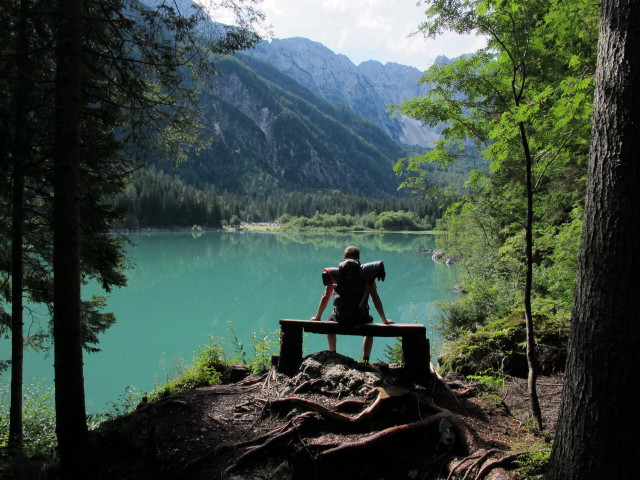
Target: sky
[[365, 29]]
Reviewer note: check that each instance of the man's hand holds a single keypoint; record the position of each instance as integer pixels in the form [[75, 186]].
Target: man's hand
[[388, 321], [314, 318]]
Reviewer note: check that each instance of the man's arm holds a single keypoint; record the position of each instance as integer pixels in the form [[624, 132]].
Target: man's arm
[[375, 298], [324, 301]]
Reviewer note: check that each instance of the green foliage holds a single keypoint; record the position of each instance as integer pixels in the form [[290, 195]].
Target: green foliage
[[489, 383], [205, 370], [393, 352], [156, 198], [387, 221], [264, 345], [533, 82], [533, 464], [483, 301], [211, 366], [234, 221], [126, 403], [558, 247], [498, 347], [39, 422], [398, 221], [492, 388], [238, 347]]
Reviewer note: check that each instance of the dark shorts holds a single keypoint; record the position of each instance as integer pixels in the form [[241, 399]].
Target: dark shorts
[[334, 317]]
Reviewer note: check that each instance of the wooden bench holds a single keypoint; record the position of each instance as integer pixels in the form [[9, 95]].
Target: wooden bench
[[415, 345]]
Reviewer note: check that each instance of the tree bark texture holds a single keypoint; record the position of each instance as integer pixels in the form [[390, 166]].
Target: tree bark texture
[[71, 427], [17, 322], [597, 433], [17, 228]]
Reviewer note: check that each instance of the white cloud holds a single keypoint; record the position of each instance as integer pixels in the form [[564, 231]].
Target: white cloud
[[365, 29]]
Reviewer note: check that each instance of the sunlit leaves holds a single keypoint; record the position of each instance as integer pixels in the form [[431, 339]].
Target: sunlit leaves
[[533, 82], [535, 72]]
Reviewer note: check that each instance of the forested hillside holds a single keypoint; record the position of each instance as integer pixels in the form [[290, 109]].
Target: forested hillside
[[276, 148], [260, 120]]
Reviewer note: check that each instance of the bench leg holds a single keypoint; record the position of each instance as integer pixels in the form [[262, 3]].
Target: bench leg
[[416, 353], [290, 349]]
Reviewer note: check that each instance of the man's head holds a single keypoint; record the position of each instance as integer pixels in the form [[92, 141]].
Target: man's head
[[352, 252]]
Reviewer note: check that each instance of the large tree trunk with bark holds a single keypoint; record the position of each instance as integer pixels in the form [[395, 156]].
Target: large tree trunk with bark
[[597, 433], [17, 228], [17, 329], [71, 426]]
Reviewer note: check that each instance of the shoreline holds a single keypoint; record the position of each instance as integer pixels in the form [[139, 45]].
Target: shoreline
[[269, 228]]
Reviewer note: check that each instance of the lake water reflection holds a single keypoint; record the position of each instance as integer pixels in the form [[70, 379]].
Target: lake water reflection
[[183, 289]]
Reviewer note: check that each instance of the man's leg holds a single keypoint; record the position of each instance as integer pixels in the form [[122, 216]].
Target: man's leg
[[331, 339], [367, 343]]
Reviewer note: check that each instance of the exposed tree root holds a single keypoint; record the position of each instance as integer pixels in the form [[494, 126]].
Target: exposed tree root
[[383, 436], [480, 464], [476, 464], [290, 430], [266, 437], [287, 403], [384, 396], [422, 424], [468, 437], [497, 463], [350, 404]]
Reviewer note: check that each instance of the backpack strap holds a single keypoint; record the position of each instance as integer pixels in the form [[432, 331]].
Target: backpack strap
[[363, 300]]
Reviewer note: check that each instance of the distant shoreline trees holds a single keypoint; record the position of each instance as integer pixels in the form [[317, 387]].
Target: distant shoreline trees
[[157, 199]]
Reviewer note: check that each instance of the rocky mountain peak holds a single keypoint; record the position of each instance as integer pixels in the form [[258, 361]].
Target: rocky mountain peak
[[368, 88]]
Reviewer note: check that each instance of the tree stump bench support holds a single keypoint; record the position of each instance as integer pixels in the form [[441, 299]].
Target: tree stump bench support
[[415, 344]]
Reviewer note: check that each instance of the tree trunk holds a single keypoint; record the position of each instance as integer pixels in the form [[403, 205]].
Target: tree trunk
[[17, 335], [17, 233], [597, 432], [532, 360], [71, 426]]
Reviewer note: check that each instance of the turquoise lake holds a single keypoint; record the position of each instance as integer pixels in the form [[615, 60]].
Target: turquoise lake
[[184, 288]]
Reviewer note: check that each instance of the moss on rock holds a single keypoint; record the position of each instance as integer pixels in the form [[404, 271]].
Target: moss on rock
[[499, 347]]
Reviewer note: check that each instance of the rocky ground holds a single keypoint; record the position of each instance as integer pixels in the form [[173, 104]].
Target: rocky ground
[[335, 419]]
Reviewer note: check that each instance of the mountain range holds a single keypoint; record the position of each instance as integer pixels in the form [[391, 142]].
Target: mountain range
[[293, 114], [368, 88]]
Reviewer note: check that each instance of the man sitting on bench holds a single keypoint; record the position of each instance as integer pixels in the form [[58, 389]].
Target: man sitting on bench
[[352, 284]]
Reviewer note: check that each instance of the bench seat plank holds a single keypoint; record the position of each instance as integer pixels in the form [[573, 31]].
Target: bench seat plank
[[372, 329]]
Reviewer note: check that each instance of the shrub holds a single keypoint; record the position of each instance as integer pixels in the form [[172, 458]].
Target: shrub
[[206, 369], [38, 417], [499, 347], [395, 221], [234, 221], [264, 346], [126, 403], [483, 301], [393, 352], [286, 218]]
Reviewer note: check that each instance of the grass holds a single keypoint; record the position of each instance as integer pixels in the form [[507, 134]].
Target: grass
[[207, 369], [211, 365]]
